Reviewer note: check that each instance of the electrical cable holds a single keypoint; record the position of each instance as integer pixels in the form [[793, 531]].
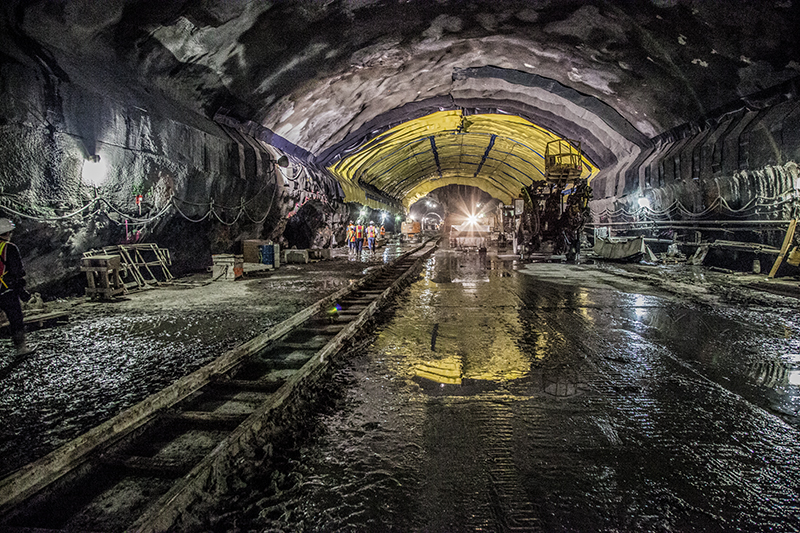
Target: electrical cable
[[208, 213], [131, 220], [134, 220], [50, 219], [768, 202]]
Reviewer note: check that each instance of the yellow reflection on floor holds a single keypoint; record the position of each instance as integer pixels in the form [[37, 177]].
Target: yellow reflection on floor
[[448, 332], [447, 371]]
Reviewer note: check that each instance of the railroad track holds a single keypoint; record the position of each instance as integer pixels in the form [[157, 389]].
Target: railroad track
[[145, 468]]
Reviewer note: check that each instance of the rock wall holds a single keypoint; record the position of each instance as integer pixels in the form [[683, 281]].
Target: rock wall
[[192, 186]]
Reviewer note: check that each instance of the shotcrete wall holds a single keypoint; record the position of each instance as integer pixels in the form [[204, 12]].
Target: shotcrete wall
[[203, 188], [738, 165]]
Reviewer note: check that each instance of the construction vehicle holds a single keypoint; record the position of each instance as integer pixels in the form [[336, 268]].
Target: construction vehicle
[[410, 230]]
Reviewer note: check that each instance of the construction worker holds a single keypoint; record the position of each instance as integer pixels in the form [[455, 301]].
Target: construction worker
[[12, 287], [351, 238], [359, 237], [372, 232], [383, 231]]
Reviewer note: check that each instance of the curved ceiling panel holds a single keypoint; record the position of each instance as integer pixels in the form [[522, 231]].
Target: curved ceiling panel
[[497, 153]]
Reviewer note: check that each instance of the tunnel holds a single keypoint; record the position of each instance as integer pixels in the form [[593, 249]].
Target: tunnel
[[195, 126], [188, 106]]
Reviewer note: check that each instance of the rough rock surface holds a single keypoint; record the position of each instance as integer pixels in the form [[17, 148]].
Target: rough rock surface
[[140, 83]]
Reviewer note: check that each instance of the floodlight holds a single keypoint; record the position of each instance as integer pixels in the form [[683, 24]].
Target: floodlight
[[94, 171]]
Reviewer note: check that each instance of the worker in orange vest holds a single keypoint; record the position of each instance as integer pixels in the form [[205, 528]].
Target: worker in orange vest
[[351, 238], [359, 237], [383, 231], [372, 232]]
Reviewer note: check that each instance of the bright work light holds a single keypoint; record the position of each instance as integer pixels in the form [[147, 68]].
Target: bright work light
[[94, 171]]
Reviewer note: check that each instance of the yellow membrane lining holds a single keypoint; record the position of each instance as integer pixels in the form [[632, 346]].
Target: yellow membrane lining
[[496, 153]]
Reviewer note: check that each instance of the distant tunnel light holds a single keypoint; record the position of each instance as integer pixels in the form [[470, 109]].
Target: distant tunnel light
[[94, 171], [644, 203], [472, 219]]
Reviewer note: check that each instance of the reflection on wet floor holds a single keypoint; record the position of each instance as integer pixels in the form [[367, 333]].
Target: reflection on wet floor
[[467, 325], [492, 400]]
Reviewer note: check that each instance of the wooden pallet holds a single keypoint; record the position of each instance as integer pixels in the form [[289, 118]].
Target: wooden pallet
[[38, 320], [103, 276]]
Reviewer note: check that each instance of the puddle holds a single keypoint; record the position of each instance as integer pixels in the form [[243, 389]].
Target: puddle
[[491, 400]]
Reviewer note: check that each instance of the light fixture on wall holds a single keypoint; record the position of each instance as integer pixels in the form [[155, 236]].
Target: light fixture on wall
[[282, 162], [94, 171], [644, 203]]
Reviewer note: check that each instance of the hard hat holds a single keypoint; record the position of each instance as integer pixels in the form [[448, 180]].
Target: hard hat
[[6, 225], [352, 222], [371, 223]]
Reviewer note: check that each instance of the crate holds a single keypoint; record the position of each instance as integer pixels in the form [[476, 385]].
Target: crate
[[295, 256], [227, 267], [270, 255], [252, 252], [103, 276], [317, 254]]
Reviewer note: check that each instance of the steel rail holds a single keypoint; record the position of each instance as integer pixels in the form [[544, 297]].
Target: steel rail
[[34, 485]]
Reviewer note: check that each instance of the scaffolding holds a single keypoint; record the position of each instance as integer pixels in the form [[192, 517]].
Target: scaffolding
[[139, 263], [562, 161]]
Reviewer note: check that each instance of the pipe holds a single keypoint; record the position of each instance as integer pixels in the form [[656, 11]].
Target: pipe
[[663, 223]]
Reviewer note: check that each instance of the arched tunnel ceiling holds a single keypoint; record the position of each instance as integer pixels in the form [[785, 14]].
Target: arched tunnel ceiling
[[325, 78], [497, 153]]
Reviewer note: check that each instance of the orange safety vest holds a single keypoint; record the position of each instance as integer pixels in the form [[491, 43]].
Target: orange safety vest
[[359, 232], [351, 233], [383, 231], [370, 232]]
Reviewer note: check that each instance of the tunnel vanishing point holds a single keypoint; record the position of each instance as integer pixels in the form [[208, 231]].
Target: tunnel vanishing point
[[164, 121]]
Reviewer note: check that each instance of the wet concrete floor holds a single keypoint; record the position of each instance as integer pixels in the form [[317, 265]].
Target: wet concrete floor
[[111, 355], [546, 397], [492, 396]]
